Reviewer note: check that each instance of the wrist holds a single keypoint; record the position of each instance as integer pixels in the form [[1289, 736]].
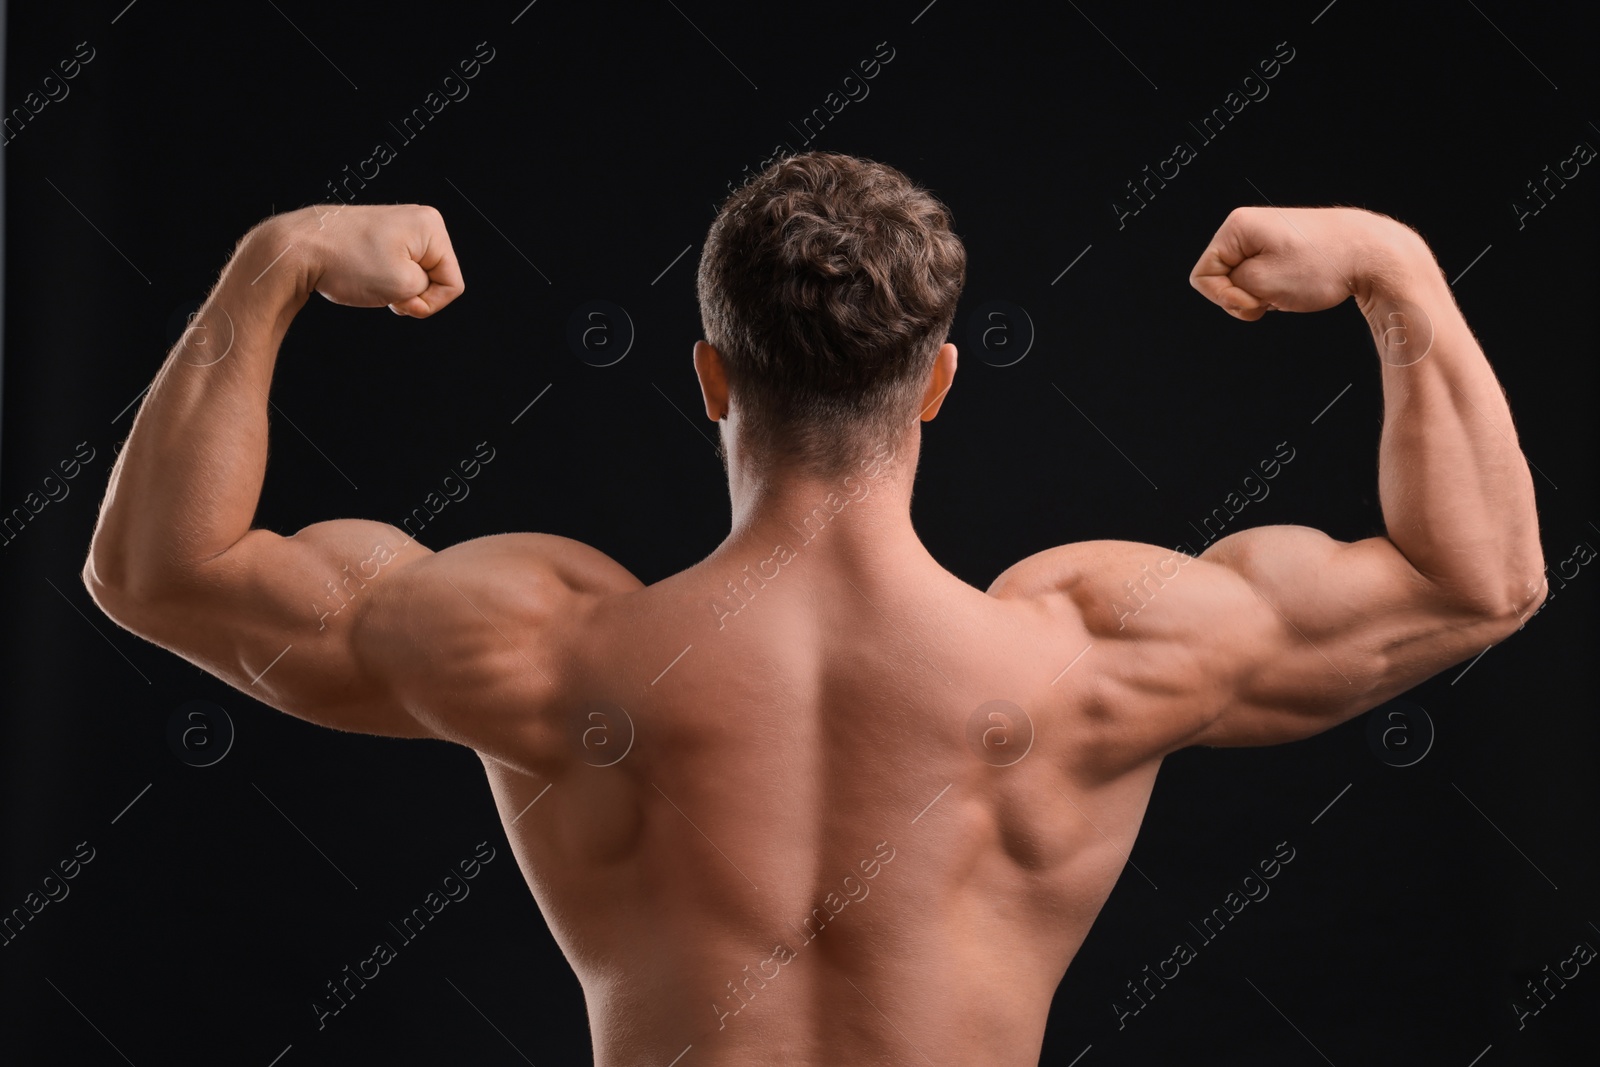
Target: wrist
[[1397, 280], [265, 282], [277, 259], [1392, 264]]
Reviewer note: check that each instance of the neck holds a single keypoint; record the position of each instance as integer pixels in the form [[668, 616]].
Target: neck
[[861, 513]]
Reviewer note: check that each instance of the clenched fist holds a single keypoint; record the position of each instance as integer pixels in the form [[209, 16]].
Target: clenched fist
[[384, 255], [1297, 259]]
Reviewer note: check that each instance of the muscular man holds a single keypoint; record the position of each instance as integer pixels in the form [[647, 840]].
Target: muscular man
[[802, 801]]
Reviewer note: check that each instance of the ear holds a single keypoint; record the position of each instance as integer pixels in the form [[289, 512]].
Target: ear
[[713, 380], [939, 380]]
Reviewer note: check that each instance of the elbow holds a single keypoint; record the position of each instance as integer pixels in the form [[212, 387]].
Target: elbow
[[94, 578], [1530, 595], [117, 589], [110, 597], [1495, 606], [1520, 598]]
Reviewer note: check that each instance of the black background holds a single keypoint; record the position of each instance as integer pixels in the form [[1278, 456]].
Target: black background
[[593, 149]]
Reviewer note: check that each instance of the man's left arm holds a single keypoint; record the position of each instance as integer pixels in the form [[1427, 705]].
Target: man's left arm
[[174, 556]]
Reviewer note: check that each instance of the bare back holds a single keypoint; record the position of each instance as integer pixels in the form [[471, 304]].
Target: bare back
[[823, 826], [810, 808]]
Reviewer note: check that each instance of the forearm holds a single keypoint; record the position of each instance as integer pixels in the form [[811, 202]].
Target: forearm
[[1456, 492], [186, 484]]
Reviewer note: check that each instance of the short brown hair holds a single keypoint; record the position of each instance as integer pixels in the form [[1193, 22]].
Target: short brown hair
[[827, 284]]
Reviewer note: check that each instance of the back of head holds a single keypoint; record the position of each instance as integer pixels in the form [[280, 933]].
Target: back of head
[[827, 284]]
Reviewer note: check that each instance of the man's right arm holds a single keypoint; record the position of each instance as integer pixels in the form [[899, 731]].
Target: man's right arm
[[1280, 632]]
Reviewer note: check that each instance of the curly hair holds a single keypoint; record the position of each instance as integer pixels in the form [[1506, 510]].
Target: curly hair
[[827, 284]]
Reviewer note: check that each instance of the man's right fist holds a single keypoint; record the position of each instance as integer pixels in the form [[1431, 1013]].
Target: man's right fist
[[394, 255], [1293, 259]]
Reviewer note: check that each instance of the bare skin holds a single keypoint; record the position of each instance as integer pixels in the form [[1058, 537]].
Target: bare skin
[[786, 833]]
